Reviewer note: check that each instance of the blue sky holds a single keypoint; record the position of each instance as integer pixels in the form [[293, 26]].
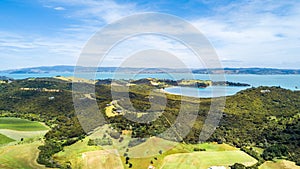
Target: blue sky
[[249, 33]]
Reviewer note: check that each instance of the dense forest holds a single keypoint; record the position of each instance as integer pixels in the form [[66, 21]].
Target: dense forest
[[265, 117]]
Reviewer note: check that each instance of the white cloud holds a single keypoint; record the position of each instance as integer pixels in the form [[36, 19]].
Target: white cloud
[[59, 8], [259, 33], [245, 33], [90, 10]]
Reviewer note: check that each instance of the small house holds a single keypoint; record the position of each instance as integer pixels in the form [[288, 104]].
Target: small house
[[265, 91]]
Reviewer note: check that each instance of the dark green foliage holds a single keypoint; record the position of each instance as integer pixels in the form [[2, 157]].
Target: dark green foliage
[[46, 152], [35, 105], [136, 141], [100, 142], [199, 149], [273, 151], [254, 118], [238, 166]]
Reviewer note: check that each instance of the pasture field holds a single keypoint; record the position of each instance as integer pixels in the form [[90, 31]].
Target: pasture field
[[281, 164], [102, 159], [205, 159], [20, 124], [184, 156], [72, 154], [5, 140], [151, 147], [17, 135], [20, 156]]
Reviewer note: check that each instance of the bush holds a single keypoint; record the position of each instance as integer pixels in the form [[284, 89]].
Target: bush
[[115, 134], [275, 151], [238, 166], [199, 149]]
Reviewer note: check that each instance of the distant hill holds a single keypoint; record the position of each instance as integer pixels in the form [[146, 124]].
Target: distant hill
[[259, 71], [62, 68]]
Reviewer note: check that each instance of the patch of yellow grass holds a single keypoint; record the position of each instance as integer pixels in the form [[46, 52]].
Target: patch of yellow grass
[[282, 164], [109, 111], [73, 154], [74, 79], [205, 159], [20, 156], [102, 159]]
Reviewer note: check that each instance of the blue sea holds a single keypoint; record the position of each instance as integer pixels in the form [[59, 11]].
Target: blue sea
[[291, 82]]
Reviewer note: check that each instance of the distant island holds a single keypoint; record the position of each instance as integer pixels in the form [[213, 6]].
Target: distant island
[[66, 69], [162, 83]]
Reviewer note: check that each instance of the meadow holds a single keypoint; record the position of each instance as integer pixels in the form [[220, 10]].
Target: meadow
[[205, 160], [72, 155], [4, 139], [20, 156], [20, 124]]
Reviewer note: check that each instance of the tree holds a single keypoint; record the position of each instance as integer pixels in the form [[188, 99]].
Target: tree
[[275, 151], [238, 166]]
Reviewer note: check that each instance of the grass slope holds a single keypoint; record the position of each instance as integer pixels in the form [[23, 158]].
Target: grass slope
[[281, 164], [102, 159], [20, 156], [20, 124], [5, 140], [72, 155], [17, 135], [140, 158], [206, 159]]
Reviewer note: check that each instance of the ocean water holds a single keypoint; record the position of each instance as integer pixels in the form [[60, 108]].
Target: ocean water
[[208, 92], [291, 82]]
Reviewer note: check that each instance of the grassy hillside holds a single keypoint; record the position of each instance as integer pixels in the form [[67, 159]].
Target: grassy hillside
[[21, 124], [4, 139], [207, 159], [20, 156]]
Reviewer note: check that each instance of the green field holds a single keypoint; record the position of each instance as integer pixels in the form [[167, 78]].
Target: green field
[[5, 140], [205, 160], [18, 135], [73, 154], [179, 155], [20, 156], [20, 124]]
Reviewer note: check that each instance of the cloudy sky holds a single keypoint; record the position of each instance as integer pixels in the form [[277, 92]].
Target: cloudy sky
[[244, 33]]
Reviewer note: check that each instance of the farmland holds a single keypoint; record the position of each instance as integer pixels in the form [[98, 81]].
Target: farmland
[[14, 129], [174, 155], [18, 135], [4, 139], [204, 160], [20, 156], [20, 124], [72, 155]]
